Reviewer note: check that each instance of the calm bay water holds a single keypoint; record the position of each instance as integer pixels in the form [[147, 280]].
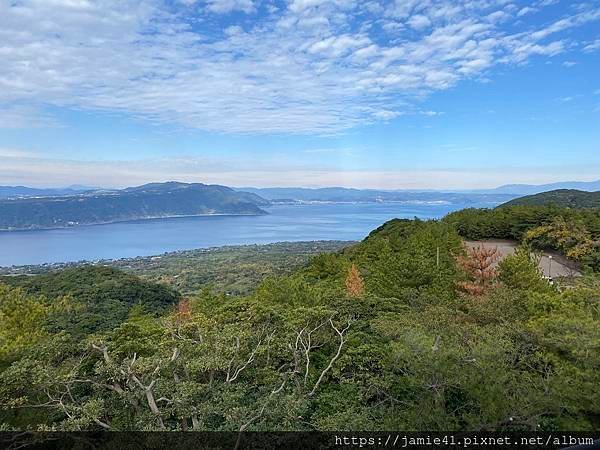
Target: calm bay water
[[153, 237]]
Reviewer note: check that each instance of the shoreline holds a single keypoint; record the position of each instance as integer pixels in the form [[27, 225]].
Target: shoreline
[[275, 204], [139, 219], [26, 269]]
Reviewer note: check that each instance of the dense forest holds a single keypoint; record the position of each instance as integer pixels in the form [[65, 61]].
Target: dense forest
[[407, 330]]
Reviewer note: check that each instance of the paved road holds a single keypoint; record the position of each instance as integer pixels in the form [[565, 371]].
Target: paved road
[[551, 264]]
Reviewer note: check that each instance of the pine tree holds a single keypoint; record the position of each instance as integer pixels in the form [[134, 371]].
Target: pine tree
[[478, 265]]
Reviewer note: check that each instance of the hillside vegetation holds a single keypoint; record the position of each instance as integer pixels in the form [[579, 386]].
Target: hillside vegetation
[[95, 298], [572, 232], [233, 270], [399, 332], [143, 202], [564, 198]]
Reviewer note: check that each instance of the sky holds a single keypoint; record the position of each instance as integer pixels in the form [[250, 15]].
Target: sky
[[405, 94]]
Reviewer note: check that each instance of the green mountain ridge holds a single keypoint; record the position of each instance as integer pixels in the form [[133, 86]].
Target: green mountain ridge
[[156, 200], [564, 198]]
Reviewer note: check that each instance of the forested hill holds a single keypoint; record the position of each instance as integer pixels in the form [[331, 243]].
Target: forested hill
[[98, 298], [143, 202], [564, 198], [406, 330]]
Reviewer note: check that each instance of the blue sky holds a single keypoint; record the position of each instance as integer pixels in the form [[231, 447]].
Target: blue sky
[[386, 94]]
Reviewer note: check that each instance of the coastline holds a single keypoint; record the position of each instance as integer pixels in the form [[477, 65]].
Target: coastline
[[35, 269], [138, 219]]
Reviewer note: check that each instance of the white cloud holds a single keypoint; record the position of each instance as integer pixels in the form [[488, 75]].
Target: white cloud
[[24, 116], [568, 22], [387, 115], [226, 6], [431, 113], [526, 10], [339, 45], [317, 66], [419, 22], [569, 64], [592, 46]]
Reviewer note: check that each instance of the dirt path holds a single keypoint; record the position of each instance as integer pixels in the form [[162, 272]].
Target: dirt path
[[552, 264]]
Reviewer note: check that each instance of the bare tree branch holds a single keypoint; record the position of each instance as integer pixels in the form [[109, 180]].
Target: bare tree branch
[[239, 369], [341, 333]]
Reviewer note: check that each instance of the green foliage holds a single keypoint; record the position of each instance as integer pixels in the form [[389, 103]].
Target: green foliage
[[22, 317], [575, 232], [410, 255], [521, 271], [412, 353], [101, 296], [564, 198]]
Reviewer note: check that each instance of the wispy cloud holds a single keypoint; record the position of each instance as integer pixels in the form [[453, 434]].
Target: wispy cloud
[[17, 153], [25, 116], [308, 66], [526, 10], [592, 46]]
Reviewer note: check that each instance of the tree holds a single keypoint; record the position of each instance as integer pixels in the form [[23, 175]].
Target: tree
[[355, 287], [478, 265], [521, 271], [183, 311], [22, 318]]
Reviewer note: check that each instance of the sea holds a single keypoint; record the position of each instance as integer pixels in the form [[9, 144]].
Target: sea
[[297, 222]]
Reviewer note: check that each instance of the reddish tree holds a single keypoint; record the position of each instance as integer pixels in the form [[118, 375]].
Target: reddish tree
[[183, 311], [478, 264], [355, 287]]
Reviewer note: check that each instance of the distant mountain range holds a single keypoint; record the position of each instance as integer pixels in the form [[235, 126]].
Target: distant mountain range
[[566, 198], [530, 189], [24, 208], [24, 191], [154, 200], [340, 195]]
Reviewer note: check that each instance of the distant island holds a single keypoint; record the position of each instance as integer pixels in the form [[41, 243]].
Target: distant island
[[564, 198], [155, 200]]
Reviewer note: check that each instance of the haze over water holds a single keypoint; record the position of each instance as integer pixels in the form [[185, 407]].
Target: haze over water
[[153, 237]]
